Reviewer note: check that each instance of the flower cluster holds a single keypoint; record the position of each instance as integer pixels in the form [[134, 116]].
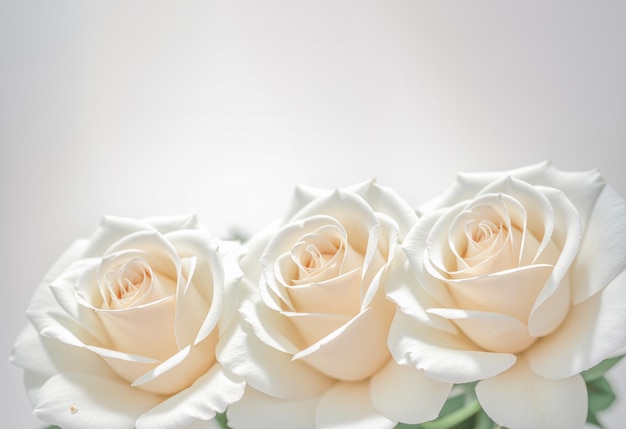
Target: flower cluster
[[496, 304]]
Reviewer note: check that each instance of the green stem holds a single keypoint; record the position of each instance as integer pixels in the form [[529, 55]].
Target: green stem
[[454, 418]]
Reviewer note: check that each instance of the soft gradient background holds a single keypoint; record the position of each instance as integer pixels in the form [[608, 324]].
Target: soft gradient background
[[221, 108]]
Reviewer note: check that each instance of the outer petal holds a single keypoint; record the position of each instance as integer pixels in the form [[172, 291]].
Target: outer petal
[[79, 401], [403, 289], [467, 185], [406, 394], [603, 248], [211, 393], [385, 200], [520, 399], [259, 411], [46, 356], [581, 188], [444, 357], [348, 406], [112, 228], [414, 247], [592, 331], [267, 369]]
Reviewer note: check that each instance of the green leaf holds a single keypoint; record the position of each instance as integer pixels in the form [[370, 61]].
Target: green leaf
[[601, 397], [601, 394], [600, 369], [483, 421], [455, 418], [221, 419]]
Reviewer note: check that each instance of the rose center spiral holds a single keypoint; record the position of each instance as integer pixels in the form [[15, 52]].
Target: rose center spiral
[[129, 282]]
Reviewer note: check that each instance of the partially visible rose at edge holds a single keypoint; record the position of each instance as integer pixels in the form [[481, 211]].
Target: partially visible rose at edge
[[516, 279], [312, 342], [124, 328]]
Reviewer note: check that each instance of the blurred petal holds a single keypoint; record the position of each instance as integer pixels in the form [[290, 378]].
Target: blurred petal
[[406, 395], [256, 410], [211, 393], [520, 399], [79, 401], [592, 331], [348, 406], [442, 356]]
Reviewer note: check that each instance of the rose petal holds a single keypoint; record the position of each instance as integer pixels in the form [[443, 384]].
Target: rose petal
[[84, 315], [356, 350], [313, 327], [553, 300], [602, 250], [512, 292], [77, 401], [539, 222], [410, 298], [267, 369], [281, 243], [111, 229], [351, 212], [256, 410], [231, 253], [442, 356], [414, 247], [47, 356], [580, 187], [520, 399], [339, 295], [146, 330], [386, 201], [211, 393], [592, 331], [405, 394], [180, 370], [271, 327], [348, 406], [492, 331]]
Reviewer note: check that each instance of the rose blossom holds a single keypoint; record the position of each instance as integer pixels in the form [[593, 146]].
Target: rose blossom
[[312, 344], [125, 325], [518, 281]]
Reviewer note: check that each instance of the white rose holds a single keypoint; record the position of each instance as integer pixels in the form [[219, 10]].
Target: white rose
[[312, 345], [520, 283], [125, 325]]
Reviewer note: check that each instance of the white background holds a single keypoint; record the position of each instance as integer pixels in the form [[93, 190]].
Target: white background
[[221, 108]]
